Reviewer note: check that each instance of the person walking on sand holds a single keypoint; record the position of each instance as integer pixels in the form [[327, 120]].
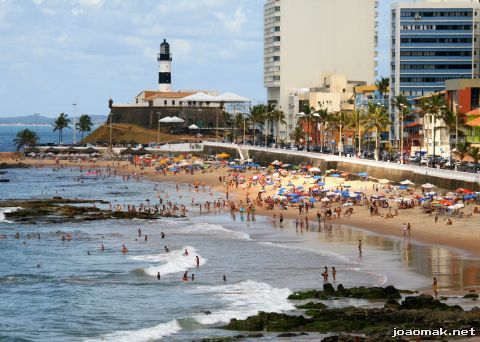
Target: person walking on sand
[[404, 228], [435, 286], [408, 228], [436, 216], [360, 247], [334, 273]]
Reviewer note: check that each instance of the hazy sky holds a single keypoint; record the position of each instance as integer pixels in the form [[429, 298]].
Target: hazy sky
[[57, 52]]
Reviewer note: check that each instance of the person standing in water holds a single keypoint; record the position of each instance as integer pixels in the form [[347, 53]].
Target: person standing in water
[[193, 277], [198, 261], [158, 275], [124, 249], [435, 286], [139, 232], [146, 238], [167, 250], [186, 252], [334, 273], [185, 276], [224, 278], [163, 235], [102, 248], [360, 247]]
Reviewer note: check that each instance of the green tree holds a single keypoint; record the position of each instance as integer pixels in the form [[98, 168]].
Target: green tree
[[268, 119], [356, 122], [278, 117], [257, 118], [239, 122], [308, 118], [339, 121], [84, 124], [462, 150], [297, 134], [25, 138], [383, 86], [227, 123], [60, 124], [435, 107], [323, 117], [474, 152], [377, 118]]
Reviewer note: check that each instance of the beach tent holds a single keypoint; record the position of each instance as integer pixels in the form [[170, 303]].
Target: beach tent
[[231, 97], [314, 169], [276, 163], [166, 119], [193, 126], [176, 120]]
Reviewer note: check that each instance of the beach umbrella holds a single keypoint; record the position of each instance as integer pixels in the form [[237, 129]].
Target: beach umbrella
[[321, 183], [348, 204], [223, 155], [325, 199], [403, 187], [193, 126], [276, 163], [383, 181], [295, 200], [312, 200], [428, 186], [314, 169], [407, 182], [336, 175], [362, 174]]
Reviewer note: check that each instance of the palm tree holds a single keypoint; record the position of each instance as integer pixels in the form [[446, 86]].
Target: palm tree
[[474, 152], [434, 106], [322, 118], [257, 117], [278, 117], [227, 122], [462, 150], [357, 121], [383, 85], [59, 124], [339, 121], [307, 118], [377, 119], [268, 119], [84, 124], [297, 134], [403, 107], [239, 122], [25, 138]]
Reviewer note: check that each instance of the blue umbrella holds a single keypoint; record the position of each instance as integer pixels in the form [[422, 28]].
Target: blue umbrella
[[317, 177], [295, 200], [312, 200], [300, 187], [321, 183], [336, 175], [174, 169], [403, 187], [362, 174]]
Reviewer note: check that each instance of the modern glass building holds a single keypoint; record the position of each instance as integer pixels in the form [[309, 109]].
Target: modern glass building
[[431, 42]]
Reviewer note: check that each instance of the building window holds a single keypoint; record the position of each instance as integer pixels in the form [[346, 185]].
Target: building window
[[164, 102], [180, 103], [173, 102]]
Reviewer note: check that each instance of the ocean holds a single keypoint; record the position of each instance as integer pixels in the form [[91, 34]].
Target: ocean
[[46, 134], [110, 296]]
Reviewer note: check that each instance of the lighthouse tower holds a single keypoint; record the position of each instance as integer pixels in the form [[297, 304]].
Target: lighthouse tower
[[165, 67]]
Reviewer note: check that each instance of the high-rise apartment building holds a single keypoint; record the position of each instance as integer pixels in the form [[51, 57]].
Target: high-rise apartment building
[[305, 39], [432, 41]]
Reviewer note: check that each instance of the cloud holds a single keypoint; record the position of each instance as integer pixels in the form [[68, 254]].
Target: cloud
[[62, 38], [182, 49], [91, 3], [233, 24], [77, 12]]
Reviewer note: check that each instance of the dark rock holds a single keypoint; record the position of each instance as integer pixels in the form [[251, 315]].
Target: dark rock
[[312, 305], [57, 198], [275, 322], [254, 335], [471, 296], [303, 334], [328, 289], [287, 335], [392, 304], [340, 288], [426, 301], [361, 292], [207, 312]]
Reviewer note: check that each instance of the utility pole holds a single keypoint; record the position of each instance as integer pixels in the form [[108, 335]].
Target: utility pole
[[111, 116], [158, 127], [456, 132], [74, 124], [402, 113]]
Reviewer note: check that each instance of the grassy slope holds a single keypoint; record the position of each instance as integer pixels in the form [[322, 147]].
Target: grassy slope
[[128, 133]]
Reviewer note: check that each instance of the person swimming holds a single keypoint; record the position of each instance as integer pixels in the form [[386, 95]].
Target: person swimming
[[186, 252], [102, 248], [166, 249], [163, 235], [185, 276], [193, 277], [124, 249]]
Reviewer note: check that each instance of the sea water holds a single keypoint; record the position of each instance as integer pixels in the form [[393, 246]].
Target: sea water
[[110, 296]]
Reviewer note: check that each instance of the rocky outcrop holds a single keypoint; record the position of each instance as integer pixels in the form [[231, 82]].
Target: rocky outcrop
[[361, 292]]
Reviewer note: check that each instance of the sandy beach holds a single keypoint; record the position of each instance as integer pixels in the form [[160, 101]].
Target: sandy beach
[[462, 234]]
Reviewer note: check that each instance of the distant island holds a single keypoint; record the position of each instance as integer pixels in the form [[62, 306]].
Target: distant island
[[42, 120]]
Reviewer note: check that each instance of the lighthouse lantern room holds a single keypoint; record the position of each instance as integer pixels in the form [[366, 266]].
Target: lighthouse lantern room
[[165, 68]]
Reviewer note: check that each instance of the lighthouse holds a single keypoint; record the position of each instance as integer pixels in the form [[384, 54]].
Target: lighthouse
[[165, 68]]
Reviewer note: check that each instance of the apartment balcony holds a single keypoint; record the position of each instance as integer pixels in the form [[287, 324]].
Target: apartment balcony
[[473, 140]]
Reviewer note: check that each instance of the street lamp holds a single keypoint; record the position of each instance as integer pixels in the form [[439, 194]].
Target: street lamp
[[402, 113], [74, 123], [456, 132], [158, 128], [110, 144]]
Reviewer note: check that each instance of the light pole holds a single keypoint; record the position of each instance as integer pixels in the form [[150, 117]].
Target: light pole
[[158, 128], [456, 132], [110, 144], [402, 113], [74, 124]]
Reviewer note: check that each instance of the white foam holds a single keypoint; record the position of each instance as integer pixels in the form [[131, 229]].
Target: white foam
[[173, 262], [143, 335], [217, 230], [244, 299], [329, 254], [7, 210]]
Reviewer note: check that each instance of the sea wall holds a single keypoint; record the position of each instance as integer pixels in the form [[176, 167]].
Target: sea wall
[[148, 117], [392, 172]]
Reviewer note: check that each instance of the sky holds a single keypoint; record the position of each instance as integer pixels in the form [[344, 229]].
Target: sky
[[54, 53]]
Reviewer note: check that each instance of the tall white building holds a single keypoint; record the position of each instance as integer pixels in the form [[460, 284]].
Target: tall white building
[[305, 39]]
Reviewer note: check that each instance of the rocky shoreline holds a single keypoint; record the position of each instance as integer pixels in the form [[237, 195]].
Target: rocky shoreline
[[369, 324], [60, 210]]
